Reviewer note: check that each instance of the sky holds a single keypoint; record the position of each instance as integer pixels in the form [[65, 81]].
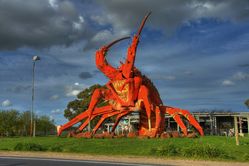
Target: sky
[[196, 52]]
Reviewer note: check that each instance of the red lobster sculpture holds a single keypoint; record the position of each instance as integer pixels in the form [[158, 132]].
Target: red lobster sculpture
[[128, 91]]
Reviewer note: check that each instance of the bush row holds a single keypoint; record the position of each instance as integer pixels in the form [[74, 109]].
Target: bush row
[[193, 151], [36, 147]]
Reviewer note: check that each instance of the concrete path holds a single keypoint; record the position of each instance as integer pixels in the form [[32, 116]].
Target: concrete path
[[100, 160]]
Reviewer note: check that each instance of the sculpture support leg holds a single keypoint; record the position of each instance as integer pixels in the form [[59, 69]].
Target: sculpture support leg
[[96, 112], [81, 116], [104, 117], [159, 119], [179, 121], [144, 95], [72, 122], [94, 100], [192, 121], [176, 112], [118, 118], [96, 96]]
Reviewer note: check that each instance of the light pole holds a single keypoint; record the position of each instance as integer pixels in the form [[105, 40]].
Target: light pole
[[32, 130]]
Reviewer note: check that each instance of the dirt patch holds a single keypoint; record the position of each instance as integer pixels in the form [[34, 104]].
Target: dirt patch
[[124, 159]]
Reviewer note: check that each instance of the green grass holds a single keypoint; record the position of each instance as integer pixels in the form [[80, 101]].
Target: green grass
[[208, 147]]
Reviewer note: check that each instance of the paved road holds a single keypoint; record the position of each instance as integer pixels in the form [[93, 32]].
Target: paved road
[[19, 161]]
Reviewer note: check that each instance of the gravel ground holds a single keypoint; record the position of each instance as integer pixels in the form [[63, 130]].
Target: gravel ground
[[125, 159]]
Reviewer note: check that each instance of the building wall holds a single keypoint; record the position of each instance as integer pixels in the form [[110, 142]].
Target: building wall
[[213, 123]]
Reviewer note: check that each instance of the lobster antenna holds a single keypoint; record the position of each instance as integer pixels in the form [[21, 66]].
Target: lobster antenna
[[142, 25], [116, 41]]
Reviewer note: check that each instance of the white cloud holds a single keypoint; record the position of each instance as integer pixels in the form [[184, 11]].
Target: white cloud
[[170, 77], [98, 19], [228, 83], [56, 111], [51, 117], [73, 93], [188, 72], [6, 103], [54, 97], [102, 36], [53, 3], [74, 90], [241, 76], [79, 24], [164, 77], [236, 78]]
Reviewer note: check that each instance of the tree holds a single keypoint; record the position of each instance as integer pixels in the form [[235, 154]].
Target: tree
[[9, 123], [13, 123], [247, 103], [24, 123], [45, 125], [81, 103]]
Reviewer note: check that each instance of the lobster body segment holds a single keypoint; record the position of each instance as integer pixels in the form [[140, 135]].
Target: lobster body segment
[[128, 91]]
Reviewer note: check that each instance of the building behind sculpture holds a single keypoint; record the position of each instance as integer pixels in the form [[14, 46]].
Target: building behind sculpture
[[213, 123], [219, 123]]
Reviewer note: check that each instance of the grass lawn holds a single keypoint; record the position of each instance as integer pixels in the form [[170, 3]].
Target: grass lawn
[[207, 147]]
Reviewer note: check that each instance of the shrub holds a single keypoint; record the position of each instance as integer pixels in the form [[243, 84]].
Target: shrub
[[193, 151], [202, 151], [18, 147], [29, 147], [56, 148], [246, 157], [167, 150]]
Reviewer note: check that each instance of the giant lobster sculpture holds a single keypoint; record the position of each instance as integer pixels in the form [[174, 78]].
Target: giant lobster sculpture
[[128, 91]]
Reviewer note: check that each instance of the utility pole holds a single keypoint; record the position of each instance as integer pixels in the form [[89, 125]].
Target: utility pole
[[32, 119]]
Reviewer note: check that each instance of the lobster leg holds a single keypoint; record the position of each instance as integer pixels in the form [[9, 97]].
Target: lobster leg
[[176, 112], [118, 118], [97, 111], [192, 121], [144, 95], [94, 100], [97, 95], [87, 121], [178, 120], [159, 119], [104, 117], [80, 117], [72, 122]]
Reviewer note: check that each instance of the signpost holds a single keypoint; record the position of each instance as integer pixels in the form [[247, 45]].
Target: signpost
[[236, 130]]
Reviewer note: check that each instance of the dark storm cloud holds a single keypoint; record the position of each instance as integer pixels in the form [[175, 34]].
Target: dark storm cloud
[[85, 75], [43, 23], [169, 14], [122, 18], [244, 65], [39, 23]]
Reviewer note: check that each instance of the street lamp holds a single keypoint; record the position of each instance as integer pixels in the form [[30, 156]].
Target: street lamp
[[35, 58]]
